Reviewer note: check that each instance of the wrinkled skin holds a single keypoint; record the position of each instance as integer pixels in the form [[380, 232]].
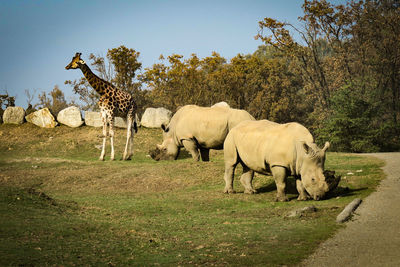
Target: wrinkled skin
[[197, 129], [312, 172], [281, 149], [159, 154], [168, 150]]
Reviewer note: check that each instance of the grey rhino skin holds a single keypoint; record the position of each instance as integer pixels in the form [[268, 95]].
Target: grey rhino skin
[[281, 149], [197, 129]]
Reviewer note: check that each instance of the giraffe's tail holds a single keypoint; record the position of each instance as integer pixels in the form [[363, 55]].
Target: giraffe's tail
[[135, 124]]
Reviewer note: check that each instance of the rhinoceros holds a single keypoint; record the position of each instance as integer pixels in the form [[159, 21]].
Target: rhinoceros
[[198, 128], [281, 149]]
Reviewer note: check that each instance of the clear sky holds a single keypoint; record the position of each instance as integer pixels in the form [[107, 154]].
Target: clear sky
[[39, 38]]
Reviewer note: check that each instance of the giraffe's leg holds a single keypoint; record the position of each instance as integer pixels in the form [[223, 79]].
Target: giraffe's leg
[[128, 144], [111, 119], [133, 131], [103, 149]]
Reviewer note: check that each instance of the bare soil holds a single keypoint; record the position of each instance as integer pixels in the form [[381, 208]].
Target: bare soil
[[372, 237]]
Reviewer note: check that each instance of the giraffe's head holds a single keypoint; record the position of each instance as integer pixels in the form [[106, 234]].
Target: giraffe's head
[[76, 62]]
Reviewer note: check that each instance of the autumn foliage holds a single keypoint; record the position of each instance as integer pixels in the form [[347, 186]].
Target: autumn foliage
[[337, 72]]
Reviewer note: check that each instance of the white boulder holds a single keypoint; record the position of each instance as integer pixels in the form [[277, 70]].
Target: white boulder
[[42, 118], [14, 115], [93, 118], [155, 117], [120, 122], [70, 116]]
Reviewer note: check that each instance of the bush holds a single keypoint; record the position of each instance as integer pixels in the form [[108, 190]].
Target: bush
[[349, 126]]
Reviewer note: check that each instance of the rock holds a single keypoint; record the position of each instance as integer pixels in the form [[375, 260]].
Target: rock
[[120, 122], [155, 117], [14, 115], [93, 118], [42, 118], [302, 211], [70, 116], [348, 211], [138, 123], [221, 104]]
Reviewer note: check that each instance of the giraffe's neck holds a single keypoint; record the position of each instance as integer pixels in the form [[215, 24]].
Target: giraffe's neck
[[97, 83]]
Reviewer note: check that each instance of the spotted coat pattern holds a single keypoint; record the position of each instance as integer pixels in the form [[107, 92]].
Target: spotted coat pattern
[[113, 102]]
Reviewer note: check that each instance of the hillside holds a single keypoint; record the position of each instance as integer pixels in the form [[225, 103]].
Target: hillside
[[61, 206]]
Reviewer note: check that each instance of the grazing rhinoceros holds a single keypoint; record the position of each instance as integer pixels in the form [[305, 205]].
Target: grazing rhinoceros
[[281, 149], [198, 128]]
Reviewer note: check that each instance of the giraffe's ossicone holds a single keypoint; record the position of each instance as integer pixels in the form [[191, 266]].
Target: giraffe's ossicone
[[113, 102]]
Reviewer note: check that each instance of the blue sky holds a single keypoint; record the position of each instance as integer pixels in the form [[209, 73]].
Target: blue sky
[[39, 38]]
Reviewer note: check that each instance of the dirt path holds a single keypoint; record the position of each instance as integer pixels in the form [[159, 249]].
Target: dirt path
[[372, 238]]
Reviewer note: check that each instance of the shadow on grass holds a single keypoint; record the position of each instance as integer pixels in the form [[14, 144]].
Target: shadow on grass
[[291, 189], [267, 188], [344, 192], [183, 154]]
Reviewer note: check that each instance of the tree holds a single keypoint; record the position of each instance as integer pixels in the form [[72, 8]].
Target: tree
[[119, 67], [263, 85], [125, 62], [30, 96], [87, 95], [54, 101], [348, 126], [7, 100], [354, 46]]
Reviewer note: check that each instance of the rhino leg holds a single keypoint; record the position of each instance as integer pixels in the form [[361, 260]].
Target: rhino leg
[[279, 174], [205, 154], [246, 180], [231, 160], [228, 177], [192, 148], [302, 191]]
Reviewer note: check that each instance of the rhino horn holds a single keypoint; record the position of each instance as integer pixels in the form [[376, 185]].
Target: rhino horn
[[326, 146]]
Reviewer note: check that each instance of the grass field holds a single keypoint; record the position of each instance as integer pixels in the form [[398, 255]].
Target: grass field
[[60, 206]]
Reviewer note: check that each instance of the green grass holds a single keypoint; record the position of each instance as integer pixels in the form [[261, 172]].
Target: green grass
[[60, 206]]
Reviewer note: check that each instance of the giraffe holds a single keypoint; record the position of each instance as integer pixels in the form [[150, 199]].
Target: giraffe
[[113, 102]]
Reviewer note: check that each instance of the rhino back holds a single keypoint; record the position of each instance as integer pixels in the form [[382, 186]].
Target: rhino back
[[209, 126], [236, 116], [263, 144]]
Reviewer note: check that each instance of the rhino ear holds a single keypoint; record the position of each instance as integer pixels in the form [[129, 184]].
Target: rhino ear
[[164, 127], [327, 145], [306, 147]]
